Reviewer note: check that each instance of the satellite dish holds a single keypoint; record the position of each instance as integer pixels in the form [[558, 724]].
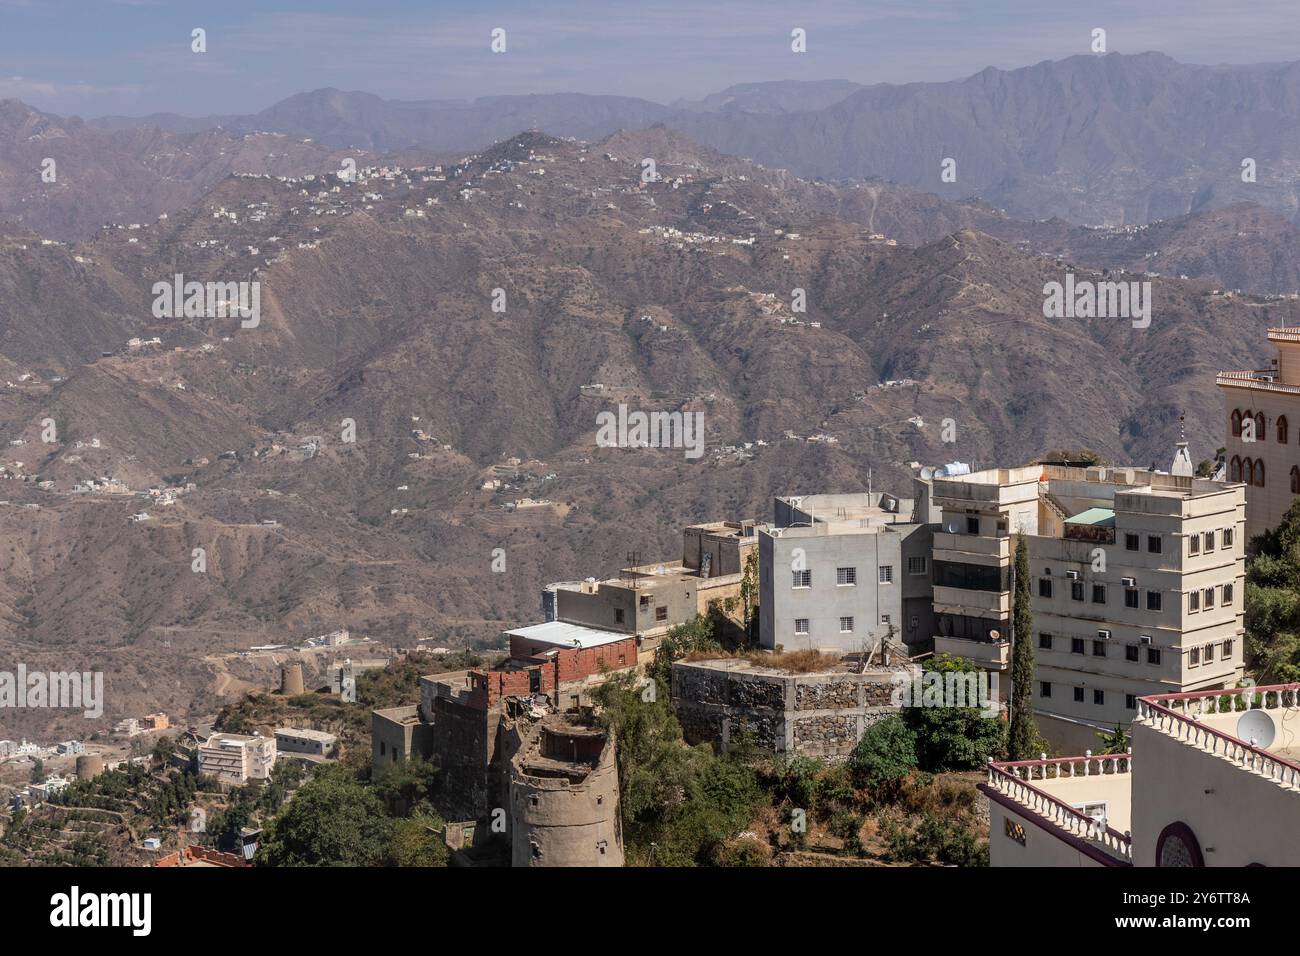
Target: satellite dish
[[927, 473], [1256, 728]]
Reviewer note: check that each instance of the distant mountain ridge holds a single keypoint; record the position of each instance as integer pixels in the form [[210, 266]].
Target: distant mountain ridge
[[1100, 140]]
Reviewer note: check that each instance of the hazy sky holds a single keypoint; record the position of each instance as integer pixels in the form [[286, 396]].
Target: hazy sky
[[95, 57]]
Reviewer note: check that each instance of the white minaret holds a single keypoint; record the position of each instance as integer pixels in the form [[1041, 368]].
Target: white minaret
[[1182, 457]]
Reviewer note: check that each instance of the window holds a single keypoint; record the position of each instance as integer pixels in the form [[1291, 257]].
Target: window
[[1194, 656], [1044, 688], [1099, 594], [1259, 473], [885, 619], [802, 579], [1209, 541], [1227, 537], [1194, 544], [1099, 698], [1154, 601], [1178, 846], [1132, 542], [846, 625], [801, 625], [1076, 645], [1153, 655], [1098, 648], [1045, 641], [1132, 653], [1130, 702], [1261, 427], [1227, 650], [1207, 653], [846, 577], [1078, 695], [1094, 811], [1193, 601], [661, 613], [1295, 480], [916, 566], [886, 574], [1155, 544], [1234, 470], [972, 524], [1227, 594], [1131, 597], [645, 600], [1076, 590], [1044, 587], [618, 615], [1236, 423], [1207, 598], [1281, 430]]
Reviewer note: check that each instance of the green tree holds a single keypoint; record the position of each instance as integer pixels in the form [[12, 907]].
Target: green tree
[[416, 842], [1113, 742], [1024, 740], [885, 754], [333, 821], [954, 738], [695, 635], [38, 771]]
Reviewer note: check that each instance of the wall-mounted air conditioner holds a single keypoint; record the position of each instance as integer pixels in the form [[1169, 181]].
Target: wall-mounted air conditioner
[[1129, 582], [1072, 575]]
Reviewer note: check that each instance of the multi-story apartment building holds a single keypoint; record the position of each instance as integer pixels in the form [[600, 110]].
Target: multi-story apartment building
[[237, 758], [1137, 585], [1204, 785], [836, 572], [1262, 448]]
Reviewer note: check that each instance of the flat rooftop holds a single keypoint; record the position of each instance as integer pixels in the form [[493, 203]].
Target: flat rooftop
[[1104, 480], [562, 634]]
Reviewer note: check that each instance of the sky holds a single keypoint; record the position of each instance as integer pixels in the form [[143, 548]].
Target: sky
[[133, 57]]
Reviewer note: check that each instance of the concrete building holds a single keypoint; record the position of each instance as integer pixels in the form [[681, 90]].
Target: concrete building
[[1195, 791], [820, 714], [1138, 585], [564, 795], [837, 572], [648, 600], [1262, 411], [396, 733], [295, 740], [236, 758]]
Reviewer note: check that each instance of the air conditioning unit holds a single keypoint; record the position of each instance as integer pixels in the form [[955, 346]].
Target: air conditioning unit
[[1129, 582], [1072, 575], [1145, 638], [1103, 635]]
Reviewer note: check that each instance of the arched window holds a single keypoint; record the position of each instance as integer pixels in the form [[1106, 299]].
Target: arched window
[[1236, 423], [1259, 473], [1248, 470], [1260, 425], [1281, 430], [1178, 846], [1234, 469], [1295, 480]]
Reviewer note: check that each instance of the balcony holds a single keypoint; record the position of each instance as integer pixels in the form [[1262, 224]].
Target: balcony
[[996, 601], [990, 655], [1040, 789], [971, 544]]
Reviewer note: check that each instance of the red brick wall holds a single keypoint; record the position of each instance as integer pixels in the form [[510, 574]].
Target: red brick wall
[[569, 664]]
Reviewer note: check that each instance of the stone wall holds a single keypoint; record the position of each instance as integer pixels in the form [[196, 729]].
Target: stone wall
[[819, 715]]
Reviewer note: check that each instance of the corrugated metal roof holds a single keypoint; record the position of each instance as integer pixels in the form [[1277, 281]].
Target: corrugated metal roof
[[1102, 517]]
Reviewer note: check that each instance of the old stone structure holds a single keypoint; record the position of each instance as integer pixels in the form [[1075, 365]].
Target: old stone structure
[[821, 714], [564, 795]]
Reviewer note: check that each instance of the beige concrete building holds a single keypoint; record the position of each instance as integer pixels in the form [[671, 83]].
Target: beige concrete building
[[1138, 585], [236, 758], [1262, 408], [648, 600], [299, 740], [1206, 784]]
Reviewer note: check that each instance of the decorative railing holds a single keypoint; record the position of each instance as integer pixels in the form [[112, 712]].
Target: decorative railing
[[1256, 381], [1163, 713], [1013, 780]]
